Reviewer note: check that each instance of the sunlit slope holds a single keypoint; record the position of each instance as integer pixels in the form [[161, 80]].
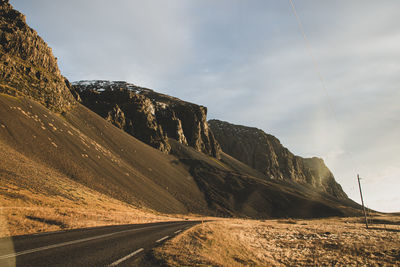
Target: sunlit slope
[[37, 198], [92, 152]]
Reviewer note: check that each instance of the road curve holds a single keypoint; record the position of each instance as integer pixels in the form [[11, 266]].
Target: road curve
[[99, 246]]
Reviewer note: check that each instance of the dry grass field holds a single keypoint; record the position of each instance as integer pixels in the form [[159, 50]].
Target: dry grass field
[[319, 242]]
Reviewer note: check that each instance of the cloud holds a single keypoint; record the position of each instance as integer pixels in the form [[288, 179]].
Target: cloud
[[136, 40]]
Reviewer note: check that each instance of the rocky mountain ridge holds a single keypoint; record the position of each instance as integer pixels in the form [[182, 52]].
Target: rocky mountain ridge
[[27, 64], [149, 116], [265, 153]]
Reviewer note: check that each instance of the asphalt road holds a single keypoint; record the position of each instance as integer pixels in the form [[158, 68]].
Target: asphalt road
[[100, 246]]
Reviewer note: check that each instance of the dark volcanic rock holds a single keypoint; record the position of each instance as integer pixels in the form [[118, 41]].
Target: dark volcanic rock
[[265, 153], [27, 64], [149, 116]]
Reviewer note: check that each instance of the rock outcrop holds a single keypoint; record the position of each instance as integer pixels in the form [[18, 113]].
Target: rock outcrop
[[265, 153], [27, 64], [149, 116]]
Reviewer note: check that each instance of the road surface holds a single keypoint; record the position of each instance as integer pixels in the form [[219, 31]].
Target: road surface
[[100, 246]]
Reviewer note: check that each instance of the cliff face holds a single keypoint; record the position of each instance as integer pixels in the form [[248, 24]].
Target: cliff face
[[149, 116], [27, 64], [265, 153]]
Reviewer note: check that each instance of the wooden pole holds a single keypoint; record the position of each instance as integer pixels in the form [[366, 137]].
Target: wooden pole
[[362, 201]]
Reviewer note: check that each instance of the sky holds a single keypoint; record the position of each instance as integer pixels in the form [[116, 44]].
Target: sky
[[249, 64]]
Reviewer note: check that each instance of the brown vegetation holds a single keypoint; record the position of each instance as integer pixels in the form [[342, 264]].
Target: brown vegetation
[[322, 242]]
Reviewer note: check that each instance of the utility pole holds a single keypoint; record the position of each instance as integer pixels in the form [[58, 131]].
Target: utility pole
[[362, 201]]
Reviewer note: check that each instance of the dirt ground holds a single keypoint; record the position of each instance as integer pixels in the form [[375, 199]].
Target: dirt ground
[[318, 242]]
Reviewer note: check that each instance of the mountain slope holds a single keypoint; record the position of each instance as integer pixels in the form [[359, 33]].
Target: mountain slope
[[233, 190], [36, 198], [91, 151], [266, 154]]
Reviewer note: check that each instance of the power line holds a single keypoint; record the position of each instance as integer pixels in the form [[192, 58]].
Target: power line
[[321, 78], [314, 61], [316, 66]]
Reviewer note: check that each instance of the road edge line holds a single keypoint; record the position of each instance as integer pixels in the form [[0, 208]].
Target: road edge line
[[115, 263], [161, 239]]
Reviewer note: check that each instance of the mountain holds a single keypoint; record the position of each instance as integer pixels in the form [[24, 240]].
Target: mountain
[[28, 66], [266, 154], [149, 116], [176, 168]]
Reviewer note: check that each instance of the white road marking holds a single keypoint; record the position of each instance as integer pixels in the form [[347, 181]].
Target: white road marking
[[177, 231], [126, 257], [13, 255], [159, 240]]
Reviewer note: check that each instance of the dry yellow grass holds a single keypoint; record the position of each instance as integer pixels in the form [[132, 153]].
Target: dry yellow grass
[[323, 242], [35, 198]]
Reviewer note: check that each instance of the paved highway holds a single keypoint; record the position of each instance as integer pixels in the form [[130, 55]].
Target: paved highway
[[100, 246]]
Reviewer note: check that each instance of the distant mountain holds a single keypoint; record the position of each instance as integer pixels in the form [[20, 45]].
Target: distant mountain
[[266, 154], [41, 119]]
